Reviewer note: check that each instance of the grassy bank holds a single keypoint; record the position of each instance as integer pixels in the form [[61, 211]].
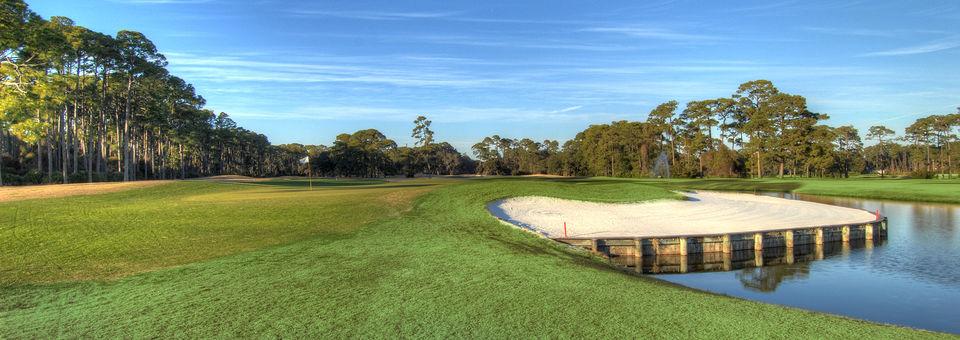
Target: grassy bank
[[444, 268], [919, 190]]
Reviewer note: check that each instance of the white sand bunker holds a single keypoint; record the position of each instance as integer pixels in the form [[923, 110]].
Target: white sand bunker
[[703, 213]]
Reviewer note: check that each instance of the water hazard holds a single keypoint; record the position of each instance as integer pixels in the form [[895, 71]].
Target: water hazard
[[911, 277]]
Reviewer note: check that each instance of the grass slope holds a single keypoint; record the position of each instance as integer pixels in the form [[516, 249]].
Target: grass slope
[[443, 269]]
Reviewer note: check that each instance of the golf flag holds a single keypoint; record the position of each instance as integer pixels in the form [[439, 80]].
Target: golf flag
[[305, 160]]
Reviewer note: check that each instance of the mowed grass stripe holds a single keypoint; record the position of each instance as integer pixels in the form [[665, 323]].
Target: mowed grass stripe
[[443, 269]]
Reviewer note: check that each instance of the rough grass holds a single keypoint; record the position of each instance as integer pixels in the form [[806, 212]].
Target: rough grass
[[445, 268]]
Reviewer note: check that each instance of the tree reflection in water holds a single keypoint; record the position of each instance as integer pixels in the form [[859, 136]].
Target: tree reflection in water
[[766, 279]]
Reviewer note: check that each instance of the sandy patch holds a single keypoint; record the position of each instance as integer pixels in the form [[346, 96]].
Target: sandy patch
[[703, 213], [547, 176], [62, 190]]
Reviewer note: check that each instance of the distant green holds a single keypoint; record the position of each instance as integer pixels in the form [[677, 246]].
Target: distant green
[[921, 190], [409, 259]]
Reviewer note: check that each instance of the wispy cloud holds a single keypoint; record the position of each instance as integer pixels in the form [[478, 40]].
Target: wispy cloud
[[946, 9], [160, 2], [865, 32], [428, 15], [189, 34], [852, 32], [568, 109], [373, 15], [492, 41], [897, 117], [443, 114], [652, 33], [225, 69], [765, 6], [930, 47], [791, 6], [510, 43]]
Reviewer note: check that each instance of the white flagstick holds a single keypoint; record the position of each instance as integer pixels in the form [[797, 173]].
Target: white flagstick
[[306, 160]]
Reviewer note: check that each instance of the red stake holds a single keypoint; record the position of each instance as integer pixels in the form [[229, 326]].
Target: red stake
[[564, 229]]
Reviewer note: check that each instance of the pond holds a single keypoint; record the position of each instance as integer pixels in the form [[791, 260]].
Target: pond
[[910, 278]]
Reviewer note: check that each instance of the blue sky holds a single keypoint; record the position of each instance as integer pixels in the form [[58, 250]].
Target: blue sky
[[304, 71]]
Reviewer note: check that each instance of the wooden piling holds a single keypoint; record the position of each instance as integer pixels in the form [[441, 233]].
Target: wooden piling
[[726, 250], [638, 244]]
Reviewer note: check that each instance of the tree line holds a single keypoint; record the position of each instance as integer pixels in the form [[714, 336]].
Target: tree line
[[759, 131], [368, 153], [83, 106]]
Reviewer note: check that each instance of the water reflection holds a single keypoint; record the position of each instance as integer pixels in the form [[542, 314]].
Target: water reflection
[[911, 278], [925, 237], [742, 260], [767, 279]]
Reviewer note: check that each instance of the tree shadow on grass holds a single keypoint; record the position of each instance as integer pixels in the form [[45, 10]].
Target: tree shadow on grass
[[320, 183], [727, 185], [358, 187]]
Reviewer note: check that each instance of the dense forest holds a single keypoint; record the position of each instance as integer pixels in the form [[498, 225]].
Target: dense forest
[[82, 106], [758, 131]]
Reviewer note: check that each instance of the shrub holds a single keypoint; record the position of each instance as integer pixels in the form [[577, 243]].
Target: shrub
[[32, 177], [922, 173]]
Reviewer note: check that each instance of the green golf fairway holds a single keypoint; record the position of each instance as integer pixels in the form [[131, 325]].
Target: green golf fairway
[[419, 258]]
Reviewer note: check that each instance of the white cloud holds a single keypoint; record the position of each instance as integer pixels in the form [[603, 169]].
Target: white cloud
[[449, 114], [161, 2], [930, 47], [512, 43], [374, 15], [853, 32], [652, 33], [223, 69], [568, 109]]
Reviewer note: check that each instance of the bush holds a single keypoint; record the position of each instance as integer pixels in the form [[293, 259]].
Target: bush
[[922, 173], [32, 177], [79, 177]]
